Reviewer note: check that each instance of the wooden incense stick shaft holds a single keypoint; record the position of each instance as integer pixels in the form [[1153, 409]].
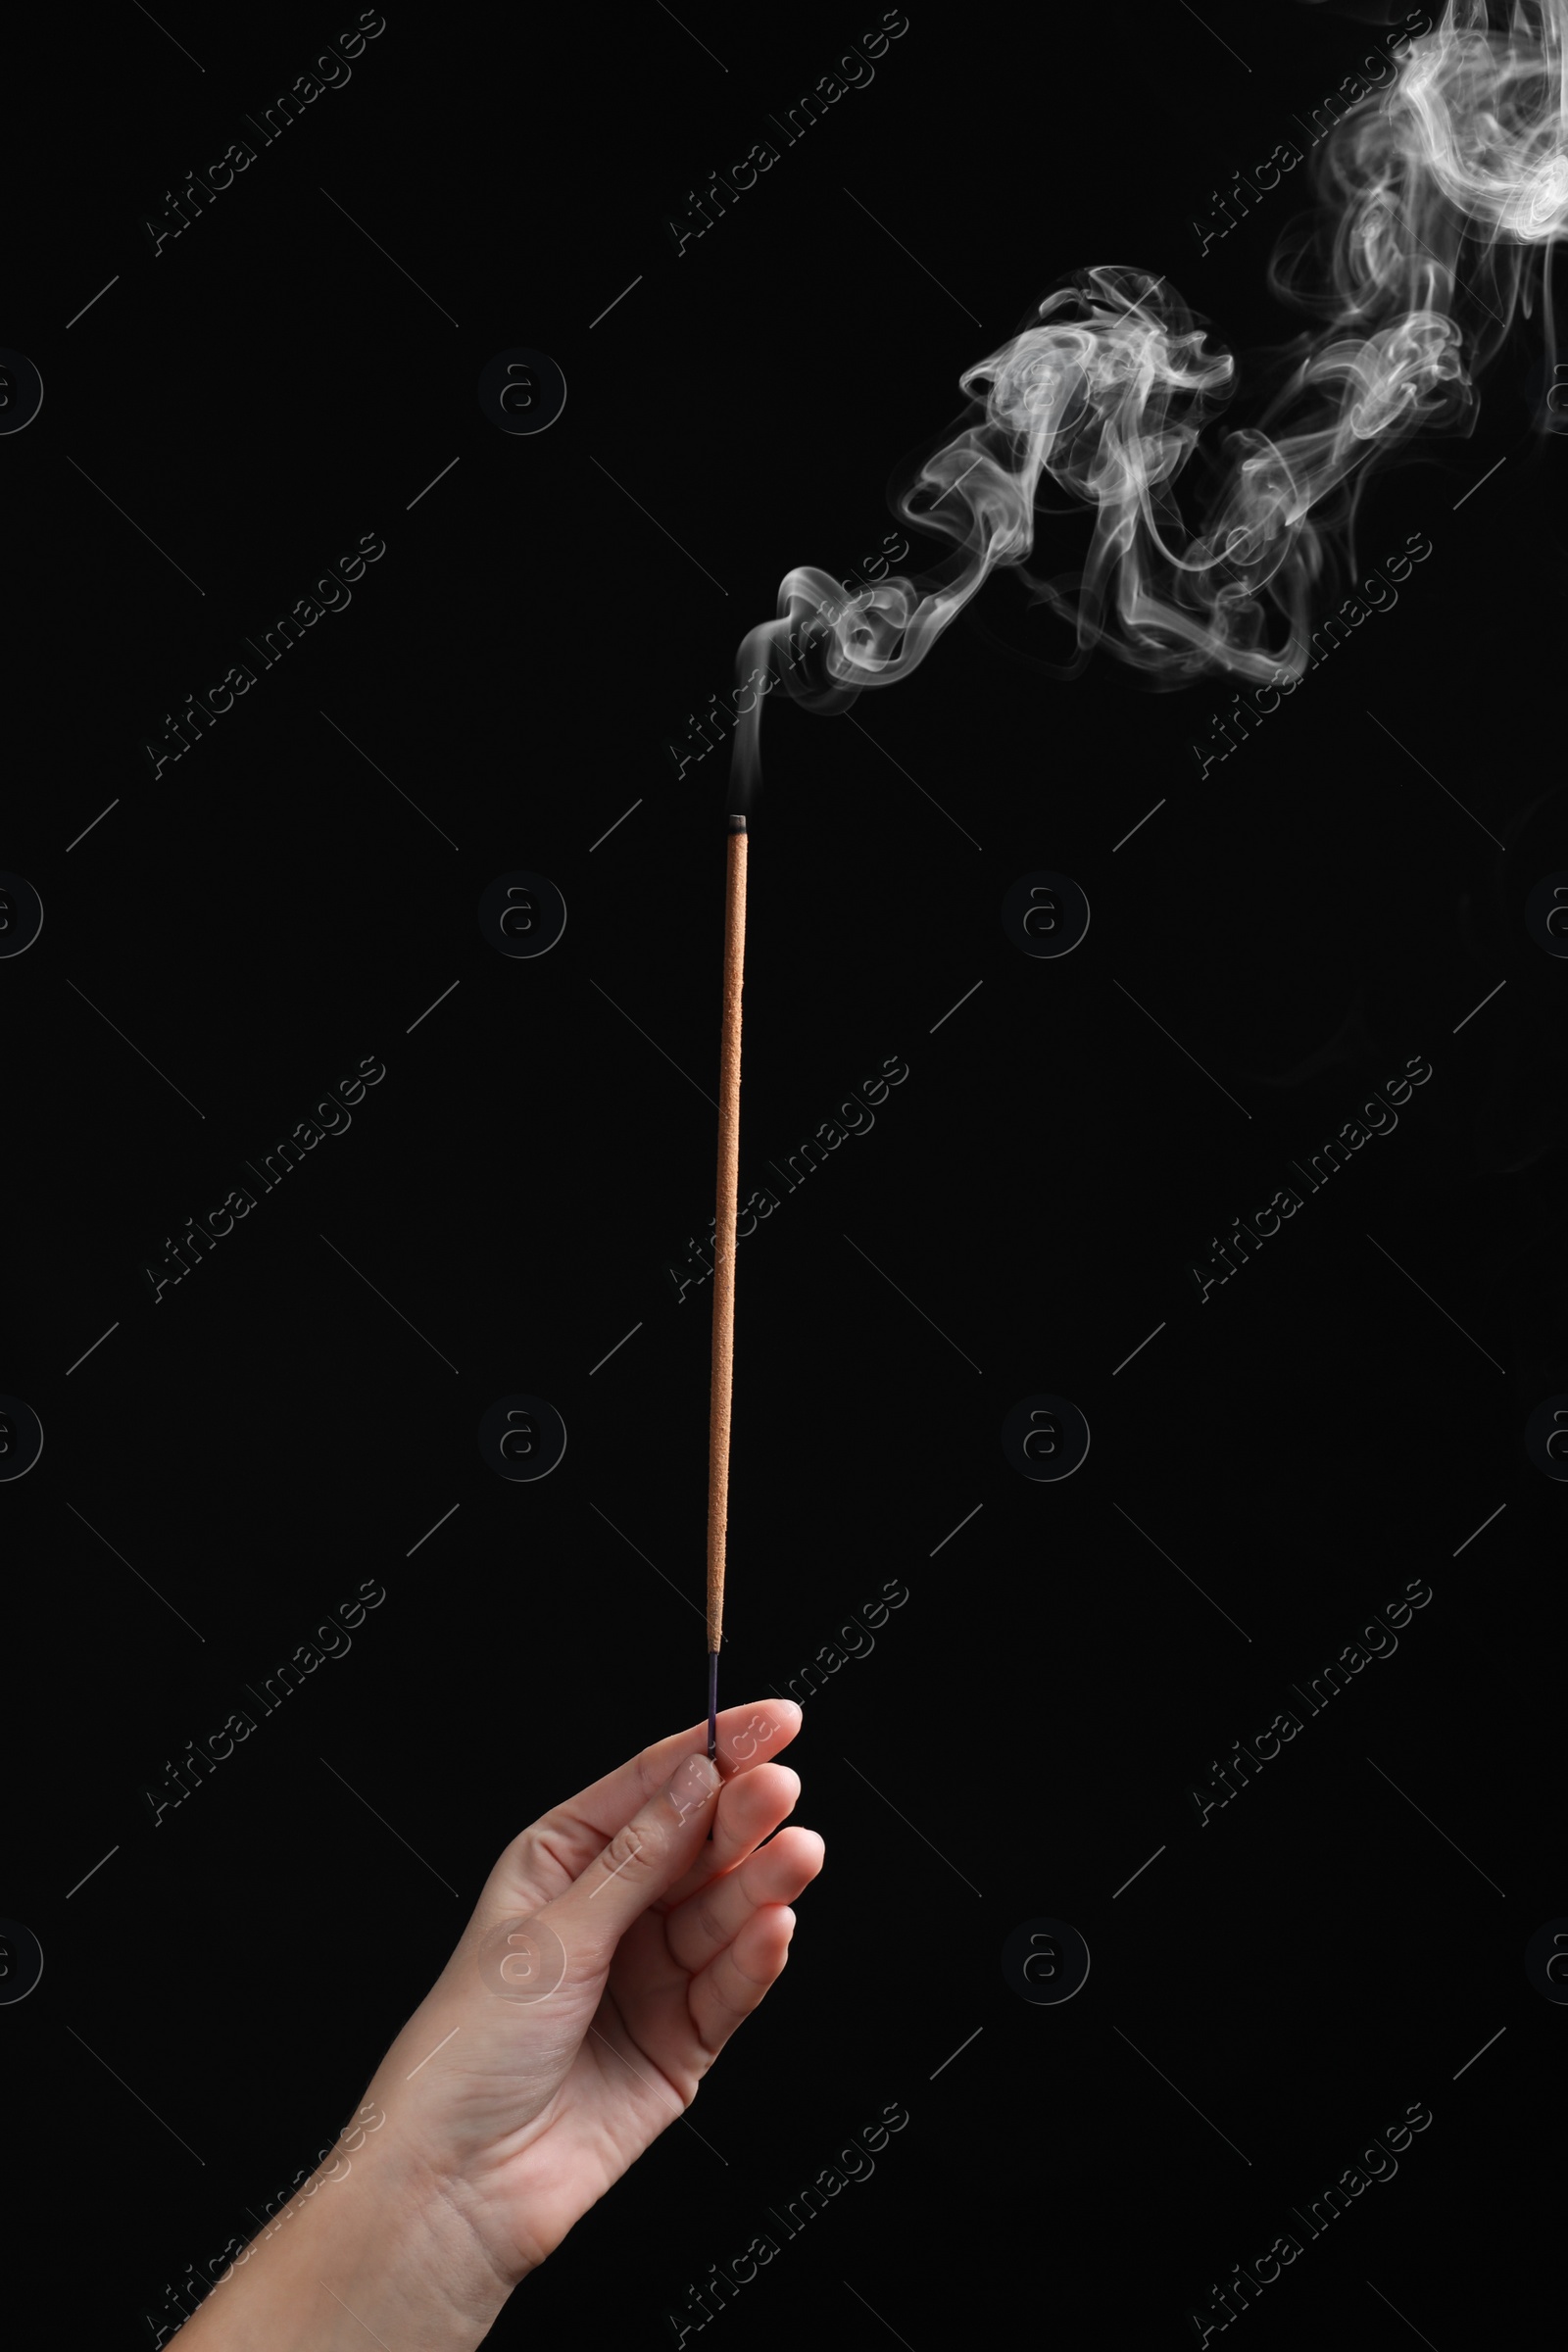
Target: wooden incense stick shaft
[[729, 1170]]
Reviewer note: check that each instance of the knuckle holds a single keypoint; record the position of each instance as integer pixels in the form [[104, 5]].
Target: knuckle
[[736, 1991], [544, 1842], [633, 1851], [707, 1919]]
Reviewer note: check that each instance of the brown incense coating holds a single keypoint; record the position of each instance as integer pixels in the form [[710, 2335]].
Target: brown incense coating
[[729, 1169]]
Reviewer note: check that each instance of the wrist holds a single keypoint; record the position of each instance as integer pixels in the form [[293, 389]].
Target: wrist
[[376, 2241]]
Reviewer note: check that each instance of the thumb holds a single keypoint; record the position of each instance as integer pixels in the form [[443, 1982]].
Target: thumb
[[657, 1847]]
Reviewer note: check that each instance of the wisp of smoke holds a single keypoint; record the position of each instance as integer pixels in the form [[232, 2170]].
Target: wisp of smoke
[[1441, 197]]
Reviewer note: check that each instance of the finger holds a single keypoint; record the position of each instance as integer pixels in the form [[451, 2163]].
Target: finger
[[555, 1850], [777, 1873], [738, 1977], [749, 1809], [745, 1738], [646, 1855]]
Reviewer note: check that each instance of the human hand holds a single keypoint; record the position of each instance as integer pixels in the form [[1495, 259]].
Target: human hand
[[612, 1953], [537, 2070]]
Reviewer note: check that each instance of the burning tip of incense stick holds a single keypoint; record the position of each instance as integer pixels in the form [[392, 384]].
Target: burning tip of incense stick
[[737, 824]]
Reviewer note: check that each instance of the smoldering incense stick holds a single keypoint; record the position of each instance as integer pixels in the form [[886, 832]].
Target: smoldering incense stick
[[729, 1170]]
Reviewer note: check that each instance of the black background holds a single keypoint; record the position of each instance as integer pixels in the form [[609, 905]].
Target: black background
[[1337, 1420]]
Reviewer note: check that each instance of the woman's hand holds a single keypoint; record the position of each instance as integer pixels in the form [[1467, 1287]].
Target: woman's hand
[[611, 1955]]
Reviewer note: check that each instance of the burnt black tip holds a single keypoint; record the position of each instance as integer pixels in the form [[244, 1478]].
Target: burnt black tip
[[737, 824]]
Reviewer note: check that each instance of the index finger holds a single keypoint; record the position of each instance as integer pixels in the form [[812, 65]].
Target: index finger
[[747, 1736]]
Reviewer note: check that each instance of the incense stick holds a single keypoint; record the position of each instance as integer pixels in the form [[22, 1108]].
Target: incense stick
[[729, 1169]]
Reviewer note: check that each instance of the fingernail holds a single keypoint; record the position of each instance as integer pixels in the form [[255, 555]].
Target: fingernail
[[693, 1784]]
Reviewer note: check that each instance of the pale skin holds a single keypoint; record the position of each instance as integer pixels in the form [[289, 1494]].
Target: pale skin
[[494, 2121]]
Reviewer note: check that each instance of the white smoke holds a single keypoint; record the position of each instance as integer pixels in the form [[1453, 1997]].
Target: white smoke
[[1440, 198]]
